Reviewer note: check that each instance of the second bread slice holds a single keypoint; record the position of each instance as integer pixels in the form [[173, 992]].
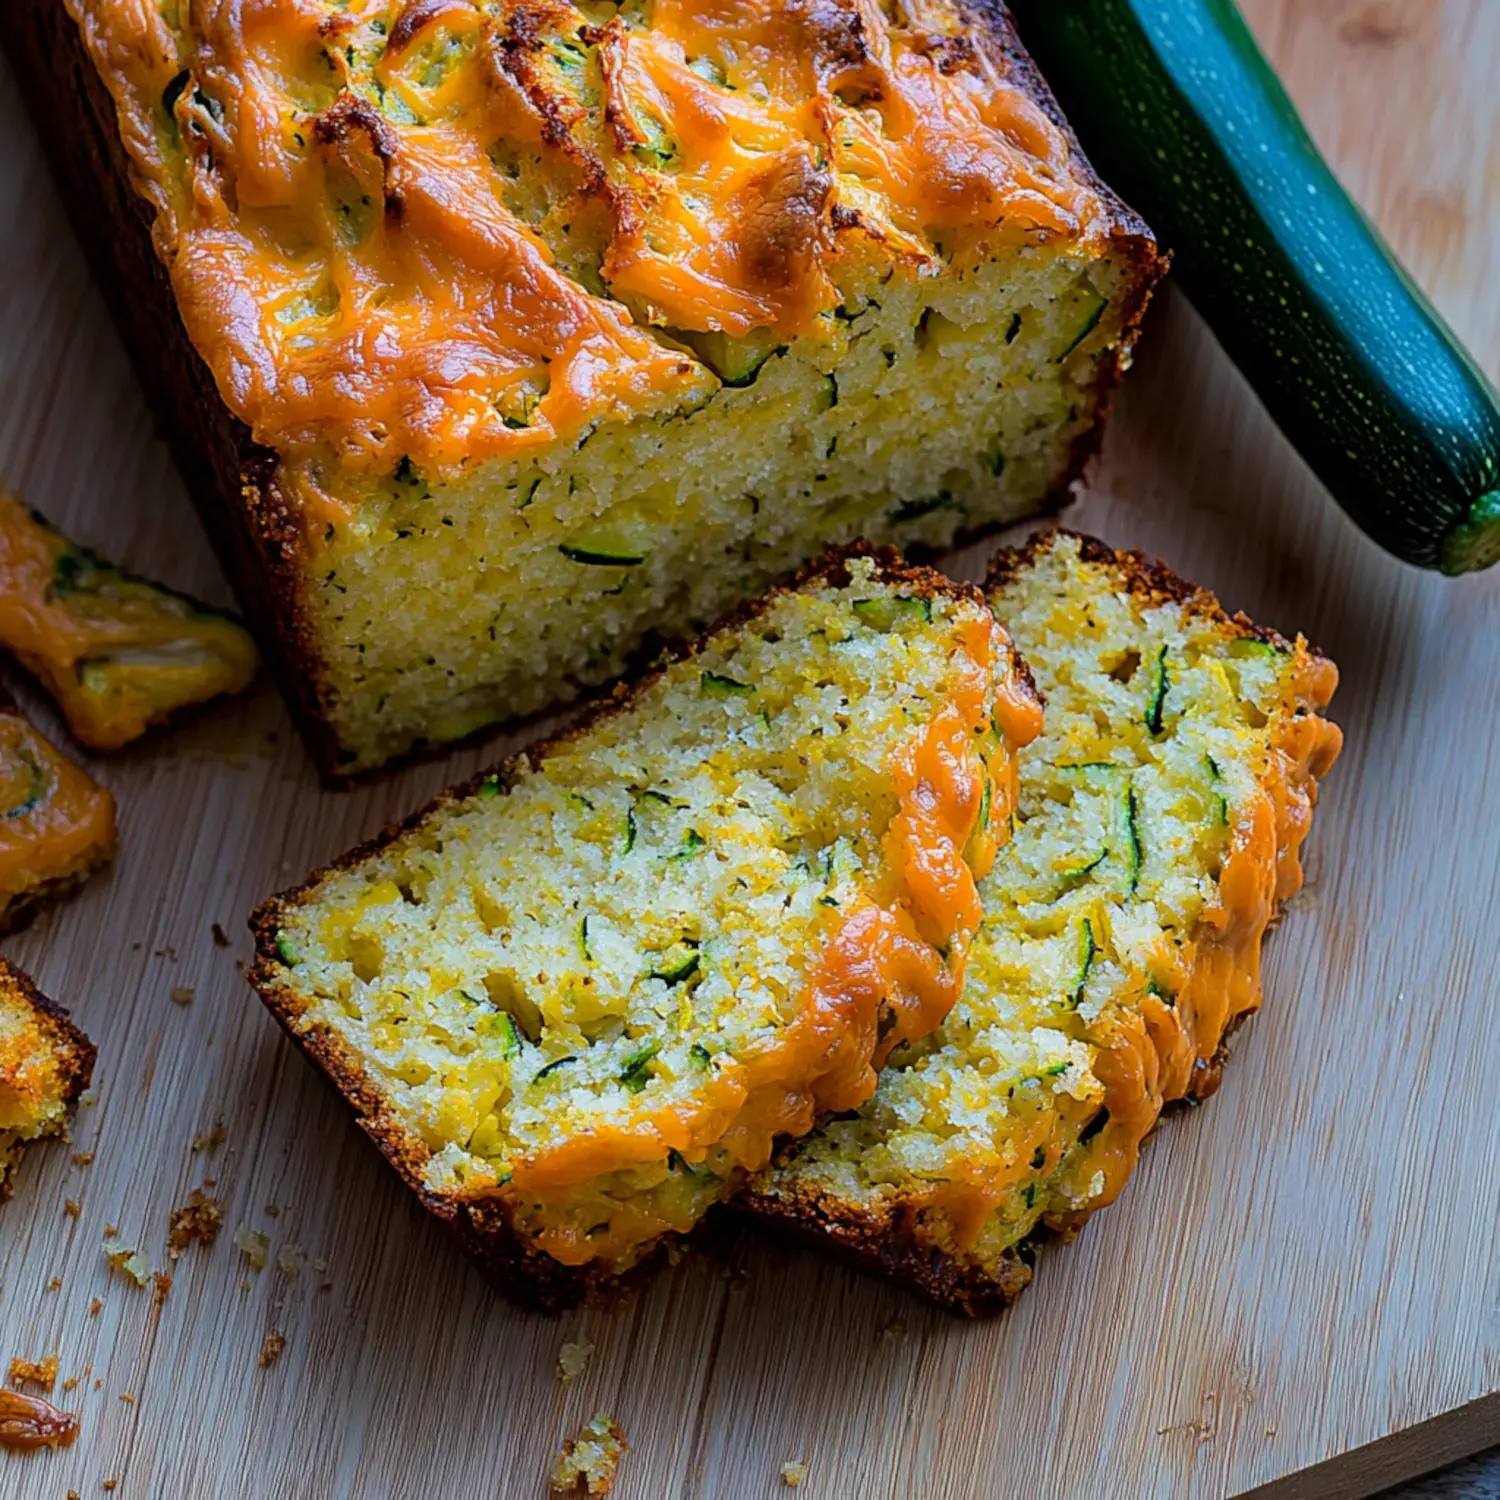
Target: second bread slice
[[579, 999]]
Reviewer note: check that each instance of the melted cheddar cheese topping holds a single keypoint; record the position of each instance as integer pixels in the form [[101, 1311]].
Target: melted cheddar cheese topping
[[118, 653], [453, 230], [56, 822]]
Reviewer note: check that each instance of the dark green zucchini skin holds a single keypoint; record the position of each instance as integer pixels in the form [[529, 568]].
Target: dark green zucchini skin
[[1182, 115]]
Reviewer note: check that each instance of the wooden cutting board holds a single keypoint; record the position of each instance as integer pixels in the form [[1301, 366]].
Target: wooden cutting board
[[1303, 1269]]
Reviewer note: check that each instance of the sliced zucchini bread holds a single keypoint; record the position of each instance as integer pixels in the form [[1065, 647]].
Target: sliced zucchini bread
[[576, 1001], [45, 1064], [496, 337], [1157, 834]]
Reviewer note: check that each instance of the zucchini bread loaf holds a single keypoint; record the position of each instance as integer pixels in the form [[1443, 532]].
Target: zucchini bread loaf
[[45, 1064], [1158, 830], [500, 336], [577, 1001]]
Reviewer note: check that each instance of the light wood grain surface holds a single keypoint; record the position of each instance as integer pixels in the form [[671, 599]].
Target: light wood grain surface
[[1303, 1269]]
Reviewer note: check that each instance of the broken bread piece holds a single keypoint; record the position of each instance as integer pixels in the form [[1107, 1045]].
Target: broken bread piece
[[1158, 831], [118, 653], [57, 824], [45, 1064], [576, 1001]]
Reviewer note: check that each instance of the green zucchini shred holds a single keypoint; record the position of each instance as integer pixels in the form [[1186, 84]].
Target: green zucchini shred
[[1156, 692], [682, 962], [717, 685], [1087, 949], [552, 1067], [633, 1074], [891, 611]]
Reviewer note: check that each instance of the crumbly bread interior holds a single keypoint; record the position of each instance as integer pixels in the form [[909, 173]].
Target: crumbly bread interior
[[1158, 826], [935, 405], [587, 985], [41, 1065]]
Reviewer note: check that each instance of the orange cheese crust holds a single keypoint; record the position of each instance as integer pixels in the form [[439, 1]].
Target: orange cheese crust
[[57, 825], [118, 653], [332, 210]]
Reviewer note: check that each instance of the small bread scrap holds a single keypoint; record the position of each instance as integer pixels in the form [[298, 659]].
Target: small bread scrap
[[45, 1064], [1158, 832], [118, 653], [57, 825], [590, 1462]]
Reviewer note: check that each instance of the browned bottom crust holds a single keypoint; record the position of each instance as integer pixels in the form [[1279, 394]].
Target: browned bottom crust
[[75, 1053], [21, 910]]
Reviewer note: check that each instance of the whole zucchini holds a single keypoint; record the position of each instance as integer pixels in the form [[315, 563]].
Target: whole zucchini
[[1180, 111]]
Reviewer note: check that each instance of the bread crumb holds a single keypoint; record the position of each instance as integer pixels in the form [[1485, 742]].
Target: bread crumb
[[127, 1398], [183, 995], [254, 1246], [210, 1140], [893, 1332], [108, 1484], [221, 938], [55, 1285], [163, 1286], [794, 1473], [129, 1263], [573, 1359], [111, 1230], [86, 1100], [272, 1212], [198, 1220], [42, 1372], [95, 1308], [70, 1384], [83, 1158], [592, 1459], [270, 1350], [71, 1208], [289, 1259]]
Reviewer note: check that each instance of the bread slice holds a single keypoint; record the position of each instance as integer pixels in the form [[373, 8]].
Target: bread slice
[[45, 1064], [119, 653], [57, 824], [1158, 832], [496, 340], [578, 999]]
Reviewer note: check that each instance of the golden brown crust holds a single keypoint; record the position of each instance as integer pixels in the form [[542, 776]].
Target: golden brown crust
[[72, 1053], [484, 1229], [233, 481]]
